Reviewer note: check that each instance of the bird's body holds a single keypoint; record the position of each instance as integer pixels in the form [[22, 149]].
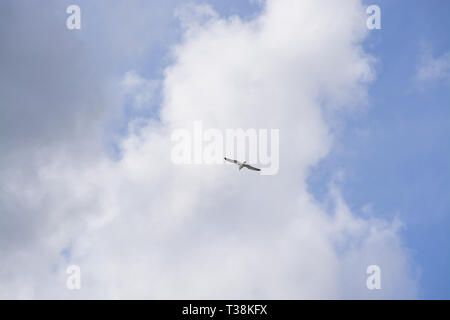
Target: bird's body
[[242, 164]]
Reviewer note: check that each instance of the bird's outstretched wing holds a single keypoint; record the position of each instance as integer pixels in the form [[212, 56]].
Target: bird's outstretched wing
[[232, 161], [251, 168]]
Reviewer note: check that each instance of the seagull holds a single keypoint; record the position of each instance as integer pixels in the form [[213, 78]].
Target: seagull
[[242, 164]]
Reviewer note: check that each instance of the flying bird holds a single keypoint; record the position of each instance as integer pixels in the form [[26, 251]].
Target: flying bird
[[242, 164]]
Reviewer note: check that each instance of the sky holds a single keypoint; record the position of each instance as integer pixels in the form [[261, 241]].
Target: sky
[[85, 144], [399, 164]]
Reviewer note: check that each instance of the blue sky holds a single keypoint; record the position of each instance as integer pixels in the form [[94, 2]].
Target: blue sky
[[401, 164]]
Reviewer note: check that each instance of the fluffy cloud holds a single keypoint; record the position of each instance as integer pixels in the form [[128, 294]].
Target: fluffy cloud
[[143, 227]]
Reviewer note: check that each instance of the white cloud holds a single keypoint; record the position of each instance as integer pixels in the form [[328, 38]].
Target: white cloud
[[141, 90], [434, 68], [141, 227]]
